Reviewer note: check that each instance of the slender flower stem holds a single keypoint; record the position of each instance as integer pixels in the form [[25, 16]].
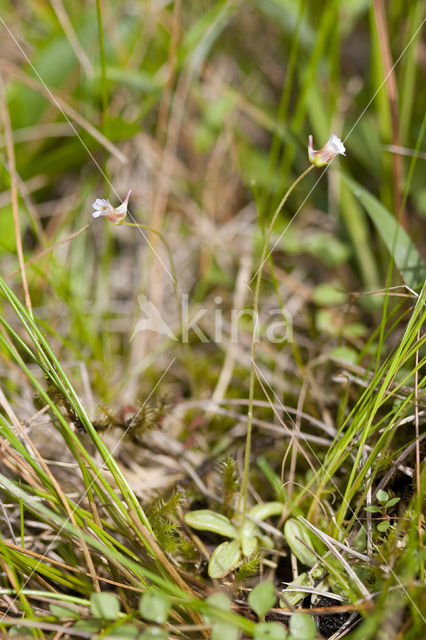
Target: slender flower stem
[[263, 259], [169, 255], [104, 90]]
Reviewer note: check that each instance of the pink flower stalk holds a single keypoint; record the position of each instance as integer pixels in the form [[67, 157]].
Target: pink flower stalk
[[115, 215], [330, 150]]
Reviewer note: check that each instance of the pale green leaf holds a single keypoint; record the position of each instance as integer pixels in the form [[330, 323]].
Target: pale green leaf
[[64, 611], [382, 496], [224, 631], [104, 605], [270, 631], [154, 606], [302, 627], [266, 510], [224, 558], [262, 598], [392, 502], [154, 633], [248, 538], [207, 520], [297, 538]]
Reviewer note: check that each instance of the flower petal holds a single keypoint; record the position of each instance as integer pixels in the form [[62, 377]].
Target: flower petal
[[338, 144], [100, 203]]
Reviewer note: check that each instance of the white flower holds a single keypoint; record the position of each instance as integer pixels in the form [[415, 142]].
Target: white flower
[[330, 150], [105, 209]]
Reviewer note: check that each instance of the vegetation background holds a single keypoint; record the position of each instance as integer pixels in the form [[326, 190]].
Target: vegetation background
[[110, 434]]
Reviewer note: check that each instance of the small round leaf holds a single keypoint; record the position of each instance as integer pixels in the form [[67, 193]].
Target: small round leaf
[[224, 631], [219, 601], [104, 606], [302, 627], [154, 633], [382, 496], [270, 631], [154, 606], [262, 598]]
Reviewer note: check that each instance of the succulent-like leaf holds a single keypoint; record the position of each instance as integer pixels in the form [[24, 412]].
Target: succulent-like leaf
[[248, 538], [266, 510], [224, 558], [297, 538], [207, 520]]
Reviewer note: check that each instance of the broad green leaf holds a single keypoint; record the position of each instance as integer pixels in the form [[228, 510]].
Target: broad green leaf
[[297, 538], [302, 627], [224, 558], [104, 605], [154, 606], [383, 526], [373, 509], [262, 598], [206, 520], [266, 510], [270, 631], [396, 239]]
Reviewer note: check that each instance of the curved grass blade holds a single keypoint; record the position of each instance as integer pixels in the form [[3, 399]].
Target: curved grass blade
[[405, 255]]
